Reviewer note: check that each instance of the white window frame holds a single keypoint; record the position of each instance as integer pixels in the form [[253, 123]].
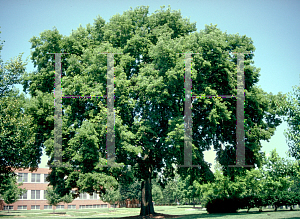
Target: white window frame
[[96, 206], [33, 207], [60, 206], [22, 196], [22, 207], [35, 177], [71, 206], [35, 194], [21, 177], [48, 207], [10, 207], [83, 196]]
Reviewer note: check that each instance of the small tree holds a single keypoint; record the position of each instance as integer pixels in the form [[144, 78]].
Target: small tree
[[111, 196], [68, 198], [12, 192], [53, 198]]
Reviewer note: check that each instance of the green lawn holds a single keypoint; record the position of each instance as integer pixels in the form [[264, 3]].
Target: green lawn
[[185, 211]]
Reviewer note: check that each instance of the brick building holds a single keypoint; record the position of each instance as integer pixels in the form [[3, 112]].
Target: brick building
[[34, 198]]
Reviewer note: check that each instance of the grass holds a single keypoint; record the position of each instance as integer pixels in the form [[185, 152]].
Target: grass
[[183, 211]]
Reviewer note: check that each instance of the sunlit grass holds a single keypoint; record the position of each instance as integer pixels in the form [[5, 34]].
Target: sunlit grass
[[184, 211]]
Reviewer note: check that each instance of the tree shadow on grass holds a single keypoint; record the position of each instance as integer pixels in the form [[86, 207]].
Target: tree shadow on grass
[[9, 214], [58, 213], [160, 215], [201, 215], [6, 215]]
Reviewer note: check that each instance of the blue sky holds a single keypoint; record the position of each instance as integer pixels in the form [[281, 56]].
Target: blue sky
[[272, 25]]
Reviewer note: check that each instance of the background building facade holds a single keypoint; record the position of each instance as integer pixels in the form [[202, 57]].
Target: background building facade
[[36, 185]]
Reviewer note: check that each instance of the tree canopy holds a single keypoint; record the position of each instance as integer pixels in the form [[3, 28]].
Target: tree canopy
[[149, 100], [17, 129]]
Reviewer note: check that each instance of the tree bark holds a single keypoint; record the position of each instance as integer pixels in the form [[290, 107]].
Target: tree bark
[[147, 205], [193, 202]]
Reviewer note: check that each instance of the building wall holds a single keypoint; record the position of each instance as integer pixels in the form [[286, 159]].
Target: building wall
[[32, 201]]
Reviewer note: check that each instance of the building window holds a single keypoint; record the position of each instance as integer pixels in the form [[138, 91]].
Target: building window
[[45, 192], [8, 207], [35, 207], [103, 205], [47, 207], [23, 196], [94, 196], [71, 206], [60, 207], [83, 196], [45, 176], [35, 177], [96, 206], [85, 206], [35, 194], [22, 207], [22, 177]]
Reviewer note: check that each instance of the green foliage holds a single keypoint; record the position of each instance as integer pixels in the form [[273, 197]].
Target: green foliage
[[291, 108], [173, 191], [223, 205], [17, 128], [157, 194], [12, 192], [16, 135], [149, 99], [53, 197], [10, 73], [268, 185], [131, 190], [111, 196]]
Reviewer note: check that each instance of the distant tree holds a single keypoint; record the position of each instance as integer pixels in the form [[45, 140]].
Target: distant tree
[[291, 108], [53, 198], [130, 189], [176, 190], [111, 196], [12, 191], [157, 193], [278, 174], [270, 184]]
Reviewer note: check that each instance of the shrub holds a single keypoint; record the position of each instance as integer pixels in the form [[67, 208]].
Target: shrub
[[223, 205]]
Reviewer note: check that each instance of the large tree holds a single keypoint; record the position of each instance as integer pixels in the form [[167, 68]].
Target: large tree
[[17, 131], [149, 99]]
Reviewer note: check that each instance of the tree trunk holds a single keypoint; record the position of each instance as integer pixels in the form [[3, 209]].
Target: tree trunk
[[147, 205], [194, 202]]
